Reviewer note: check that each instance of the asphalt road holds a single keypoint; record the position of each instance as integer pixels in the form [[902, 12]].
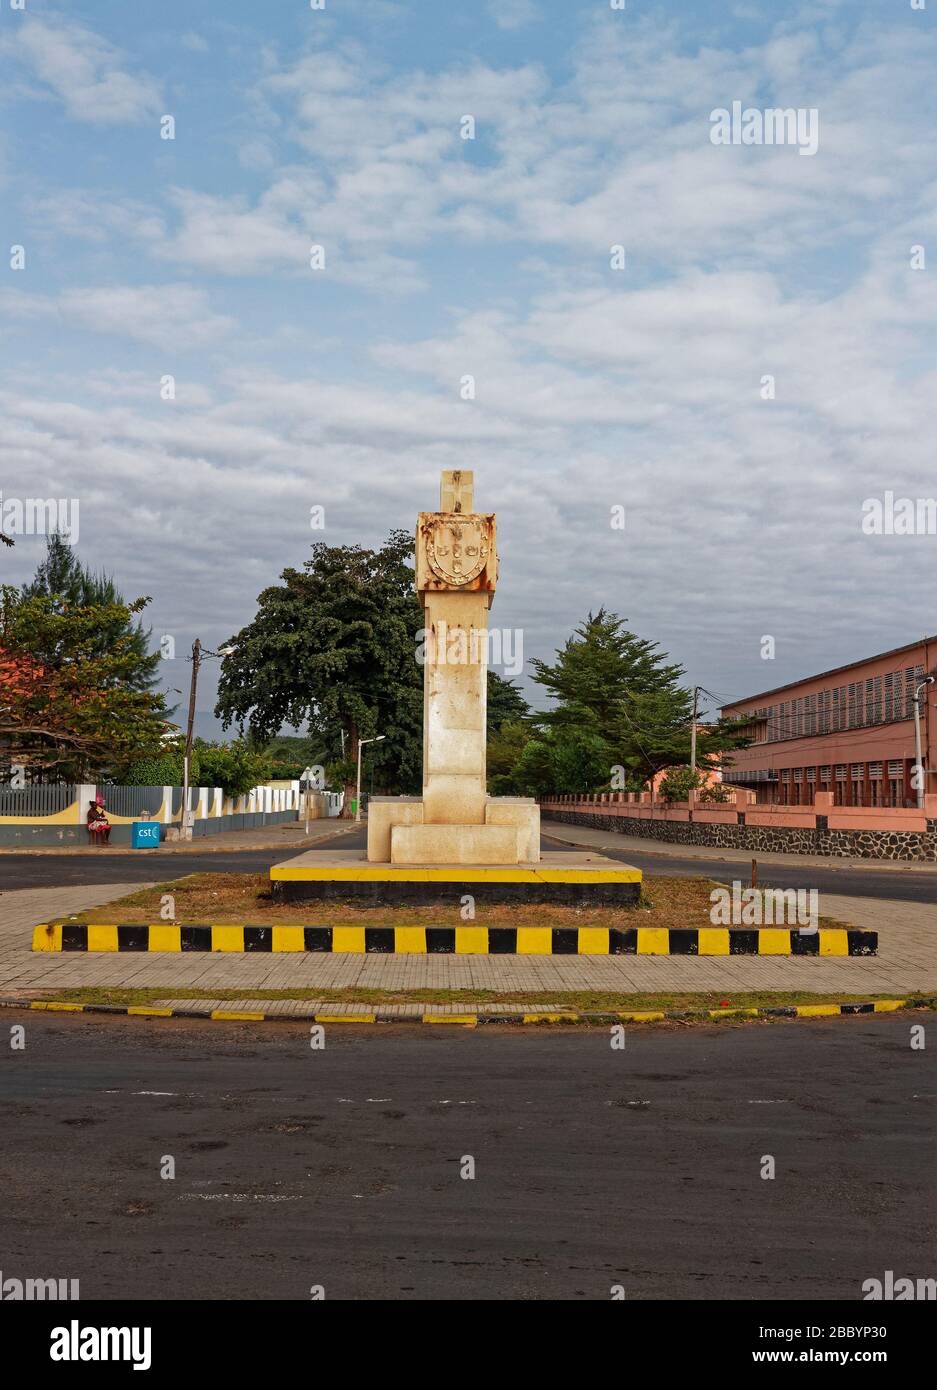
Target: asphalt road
[[35, 870], [342, 1167]]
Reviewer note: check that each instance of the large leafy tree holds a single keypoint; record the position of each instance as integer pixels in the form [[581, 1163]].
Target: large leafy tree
[[69, 707], [68, 584], [334, 646]]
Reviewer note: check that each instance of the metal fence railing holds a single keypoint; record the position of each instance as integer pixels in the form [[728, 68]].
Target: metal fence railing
[[132, 801], [36, 801], [177, 799]]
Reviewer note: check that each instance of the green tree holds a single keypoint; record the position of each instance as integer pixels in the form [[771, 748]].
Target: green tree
[[165, 768], [333, 646], [534, 772], [67, 584], [623, 690], [234, 767], [678, 782], [291, 754], [71, 708], [505, 702], [505, 747], [580, 761]]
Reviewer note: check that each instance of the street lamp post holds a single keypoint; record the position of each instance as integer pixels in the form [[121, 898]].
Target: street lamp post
[[918, 761], [361, 742], [197, 653]]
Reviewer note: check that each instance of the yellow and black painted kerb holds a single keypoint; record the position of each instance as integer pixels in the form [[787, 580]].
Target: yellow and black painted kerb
[[876, 1006], [463, 940], [397, 885]]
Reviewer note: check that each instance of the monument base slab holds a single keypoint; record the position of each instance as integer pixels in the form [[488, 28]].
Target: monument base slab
[[400, 831], [454, 844], [348, 877]]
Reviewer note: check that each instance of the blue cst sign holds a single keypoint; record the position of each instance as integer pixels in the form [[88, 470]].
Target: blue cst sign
[[145, 834]]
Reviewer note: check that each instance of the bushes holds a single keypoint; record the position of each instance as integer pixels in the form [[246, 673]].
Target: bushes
[[679, 782], [165, 769], [234, 767], [682, 780]]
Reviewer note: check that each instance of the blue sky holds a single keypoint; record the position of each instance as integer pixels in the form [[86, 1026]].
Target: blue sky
[[489, 257]]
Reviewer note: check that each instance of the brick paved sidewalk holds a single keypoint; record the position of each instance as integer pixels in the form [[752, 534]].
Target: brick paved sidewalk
[[907, 960]]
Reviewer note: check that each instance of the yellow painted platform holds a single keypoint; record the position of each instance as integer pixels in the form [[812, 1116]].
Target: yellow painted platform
[[352, 866]]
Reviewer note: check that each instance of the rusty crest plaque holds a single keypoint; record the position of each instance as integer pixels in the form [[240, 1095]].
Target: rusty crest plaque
[[457, 548]]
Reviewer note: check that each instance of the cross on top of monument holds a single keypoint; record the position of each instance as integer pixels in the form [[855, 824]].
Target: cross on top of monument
[[456, 490]]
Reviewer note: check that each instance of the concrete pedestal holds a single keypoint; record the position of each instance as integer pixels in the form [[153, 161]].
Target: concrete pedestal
[[398, 833]]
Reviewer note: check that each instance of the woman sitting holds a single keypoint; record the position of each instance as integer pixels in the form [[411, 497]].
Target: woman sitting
[[99, 827]]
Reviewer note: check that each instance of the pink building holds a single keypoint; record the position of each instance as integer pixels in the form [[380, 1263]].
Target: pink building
[[849, 731]]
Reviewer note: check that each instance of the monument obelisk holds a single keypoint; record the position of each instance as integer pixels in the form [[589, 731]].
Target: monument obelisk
[[455, 821]]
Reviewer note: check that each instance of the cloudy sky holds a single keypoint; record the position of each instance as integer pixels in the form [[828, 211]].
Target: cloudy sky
[[596, 386]]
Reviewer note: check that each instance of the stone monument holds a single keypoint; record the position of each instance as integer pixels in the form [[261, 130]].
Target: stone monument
[[454, 838], [455, 821]]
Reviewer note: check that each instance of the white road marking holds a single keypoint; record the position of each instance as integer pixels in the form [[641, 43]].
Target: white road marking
[[236, 1197]]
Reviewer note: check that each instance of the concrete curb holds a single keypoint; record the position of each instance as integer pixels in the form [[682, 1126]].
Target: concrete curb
[[540, 941], [472, 1020]]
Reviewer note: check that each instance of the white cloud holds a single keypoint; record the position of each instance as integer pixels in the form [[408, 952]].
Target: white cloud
[[593, 387], [619, 154], [85, 72], [596, 396], [84, 216], [514, 14], [175, 317]]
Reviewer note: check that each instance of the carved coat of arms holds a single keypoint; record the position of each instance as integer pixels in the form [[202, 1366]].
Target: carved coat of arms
[[457, 549]]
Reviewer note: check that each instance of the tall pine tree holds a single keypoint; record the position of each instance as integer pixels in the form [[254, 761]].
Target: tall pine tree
[[68, 584], [615, 687]]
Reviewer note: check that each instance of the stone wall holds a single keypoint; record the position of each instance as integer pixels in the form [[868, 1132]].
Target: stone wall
[[49, 835], [858, 843]]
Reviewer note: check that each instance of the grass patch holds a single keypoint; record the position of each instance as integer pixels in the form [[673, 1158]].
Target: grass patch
[[217, 899], [580, 1001]]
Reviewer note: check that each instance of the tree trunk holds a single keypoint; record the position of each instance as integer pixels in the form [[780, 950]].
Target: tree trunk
[[351, 786]]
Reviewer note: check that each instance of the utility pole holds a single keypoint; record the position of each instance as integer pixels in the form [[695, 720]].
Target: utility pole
[[196, 662], [918, 760], [197, 654], [696, 691]]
